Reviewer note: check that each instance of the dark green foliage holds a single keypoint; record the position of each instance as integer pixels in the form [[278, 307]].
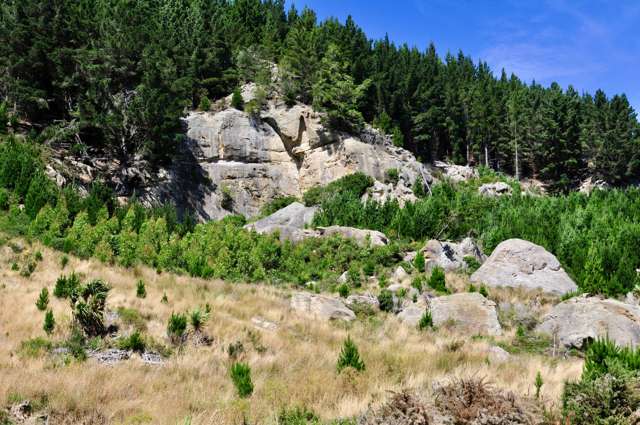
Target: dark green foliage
[[64, 261], [418, 283], [397, 138], [76, 344], [205, 104], [483, 291], [241, 377], [472, 264], [277, 204], [343, 290], [164, 299], [141, 290], [298, 416], [608, 390], [88, 304], [392, 176], [385, 299], [35, 347], [134, 342], [66, 285], [198, 318], [43, 300], [351, 186], [177, 327], [349, 357], [236, 100], [4, 199], [437, 279], [426, 321], [419, 262], [235, 349], [49, 322]]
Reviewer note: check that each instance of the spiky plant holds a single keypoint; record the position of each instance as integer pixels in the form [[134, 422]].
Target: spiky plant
[[350, 357], [241, 377]]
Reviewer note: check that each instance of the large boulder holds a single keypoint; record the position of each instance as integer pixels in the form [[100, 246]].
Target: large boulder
[[449, 255], [495, 189], [456, 173], [321, 306], [582, 319], [289, 222], [519, 263], [362, 236], [470, 313], [411, 315]]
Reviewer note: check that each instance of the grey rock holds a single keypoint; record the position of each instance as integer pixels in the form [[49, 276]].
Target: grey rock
[[294, 215], [519, 263], [497, 354], [262, 323], [321, 306], [495, 189], [362, 236], [343, 277], [411, 315], [152, 358], [400, 275], [470, 313], [109, 356], [449, 255], [582, 319], [363, 300], [456, 173]]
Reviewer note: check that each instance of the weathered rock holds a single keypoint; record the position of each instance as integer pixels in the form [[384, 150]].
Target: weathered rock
[[582, 319], [109, 356], [362, 236], [517, 314], [449, 255], [591, 184], [151, 358], [343, 277], [400, 275], [495, 189], [497, 354], [456, 173], [470, 313], [321, 306], [411, 315], [289, 222], [519, 263], [362, 300], [262, 323], [383, 193]]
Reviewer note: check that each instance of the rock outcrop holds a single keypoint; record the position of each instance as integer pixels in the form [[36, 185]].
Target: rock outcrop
[[495, 189], [456, 173], [470, 313], [381, 193], [411, 315], [232, 162], [518, 263], [289, 222], [581, 319], [449, 255], [321, 306], [362, 236]]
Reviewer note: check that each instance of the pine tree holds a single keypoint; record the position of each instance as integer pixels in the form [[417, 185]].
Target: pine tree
[[236, 99], [349, 357], [49, 322], [43, 300]]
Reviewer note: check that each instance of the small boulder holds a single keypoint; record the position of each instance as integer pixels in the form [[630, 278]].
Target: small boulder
[[470, 313], [497, 354], [583, 319], [519, 263], [411, 315], [451, 256], [495, 189], [362, 236], [321, 306], [400, 275], [262, 323], [456, 173], [363, 300]]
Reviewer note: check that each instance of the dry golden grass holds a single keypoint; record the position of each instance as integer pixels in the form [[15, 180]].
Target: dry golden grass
[[292, 366]]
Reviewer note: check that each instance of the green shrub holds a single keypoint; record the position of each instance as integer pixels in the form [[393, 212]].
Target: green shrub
[[66, 285], [4, 199], [418, 283], [76, 344], [141, 290], [64, 260], [472, 288], [177, 327], [353, 276], [419, 262], [385, 299], [538, 384], [49, 322], [472, 264], [237, 101], [134, 342], [437, 279], [198, 318], [483, 291], [397, 138], [132, 317], [37, 256], [392, 176], [343, 290], [205, 104], [43, 300], [164, 299], [88, 304], [418, 188], [241, 377], [298, 416], [426, 321], [35, 347], [349, 357]]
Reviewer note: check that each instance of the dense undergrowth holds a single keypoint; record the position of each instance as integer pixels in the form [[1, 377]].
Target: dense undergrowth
[[596, 237]]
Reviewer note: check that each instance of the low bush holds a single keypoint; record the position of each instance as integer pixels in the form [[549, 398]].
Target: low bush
[[134, 342], [198, 318], [241, 377], [43, 300], [88, 304], [385, 299], [350, 357], [49, 322], [277, 204], [66, 285], [419, 262], [177, 327], [426, 321], [437, 280], [141, 290], [35, 347]]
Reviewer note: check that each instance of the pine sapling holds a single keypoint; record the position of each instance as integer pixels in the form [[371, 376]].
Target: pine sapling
[[241, 377], [539, 382], [350, 357], [49, 322], [43, 300], [141, 290], [426, 321]]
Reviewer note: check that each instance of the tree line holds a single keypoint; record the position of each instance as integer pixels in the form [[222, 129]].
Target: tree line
[[118, 74]]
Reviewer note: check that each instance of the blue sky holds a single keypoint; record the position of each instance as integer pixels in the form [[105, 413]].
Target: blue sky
[[590, 44]]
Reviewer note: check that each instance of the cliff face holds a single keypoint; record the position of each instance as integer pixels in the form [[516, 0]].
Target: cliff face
[[234, 162]]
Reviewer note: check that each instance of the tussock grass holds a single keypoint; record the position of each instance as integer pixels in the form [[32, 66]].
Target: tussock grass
[[292, 366]]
